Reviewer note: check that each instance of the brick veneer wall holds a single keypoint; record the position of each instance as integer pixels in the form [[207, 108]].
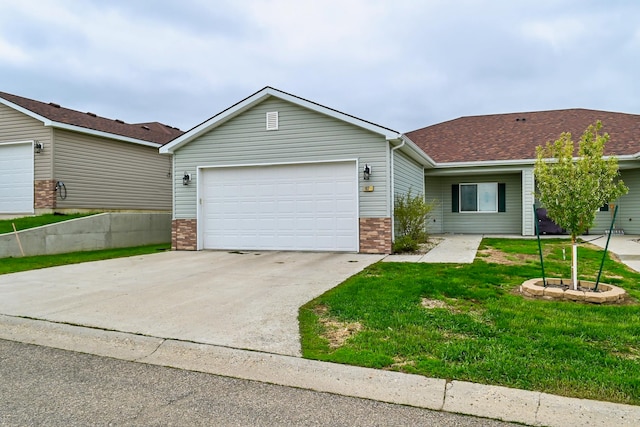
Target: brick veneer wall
[[375, 235], [44, 194], [184, 234]]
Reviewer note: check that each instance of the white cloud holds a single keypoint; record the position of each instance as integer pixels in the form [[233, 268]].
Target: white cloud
[[307, 31], [13, 55], [560, 34]]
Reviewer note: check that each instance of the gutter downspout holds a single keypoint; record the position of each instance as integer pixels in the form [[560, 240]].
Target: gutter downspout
[[392, 187]]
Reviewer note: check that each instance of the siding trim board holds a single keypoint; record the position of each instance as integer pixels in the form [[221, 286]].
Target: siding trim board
[[307, 162]]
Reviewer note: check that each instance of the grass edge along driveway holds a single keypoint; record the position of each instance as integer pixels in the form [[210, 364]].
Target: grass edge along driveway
[[14, 265], [467, 322]]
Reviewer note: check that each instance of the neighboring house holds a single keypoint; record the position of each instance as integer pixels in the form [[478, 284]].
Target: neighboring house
[[53, 159], [483, 177], [278, 172]]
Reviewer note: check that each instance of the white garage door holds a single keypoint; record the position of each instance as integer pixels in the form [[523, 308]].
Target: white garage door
[[16, 178], [287, 207]]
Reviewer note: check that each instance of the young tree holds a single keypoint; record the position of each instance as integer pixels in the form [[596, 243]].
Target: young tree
[[572, 189]]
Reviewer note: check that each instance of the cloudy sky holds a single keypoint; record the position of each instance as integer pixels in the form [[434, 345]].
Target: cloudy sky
[[403, 64]]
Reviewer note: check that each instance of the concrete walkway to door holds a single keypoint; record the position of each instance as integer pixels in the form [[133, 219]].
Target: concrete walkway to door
[[453, 248], [246, 300]]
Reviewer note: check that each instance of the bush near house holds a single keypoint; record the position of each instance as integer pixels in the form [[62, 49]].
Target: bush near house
[[411, 214]]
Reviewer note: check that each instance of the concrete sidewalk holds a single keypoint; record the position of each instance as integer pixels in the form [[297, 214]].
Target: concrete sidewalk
[[625, 247], [527, 407]]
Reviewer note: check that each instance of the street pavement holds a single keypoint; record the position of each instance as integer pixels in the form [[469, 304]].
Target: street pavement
[[46, 386]]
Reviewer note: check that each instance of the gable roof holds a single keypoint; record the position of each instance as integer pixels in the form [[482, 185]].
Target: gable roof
[[54, 115], [260, 96], [515, 136]]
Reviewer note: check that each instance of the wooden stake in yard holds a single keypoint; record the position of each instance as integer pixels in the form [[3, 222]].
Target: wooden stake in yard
[[17, 238]]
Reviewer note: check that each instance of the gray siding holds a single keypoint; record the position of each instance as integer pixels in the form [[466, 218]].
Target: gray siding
[[434, 193], [628, 217], [101, 173], [16, 126], [303, 136], [509, 222], [407, 175]]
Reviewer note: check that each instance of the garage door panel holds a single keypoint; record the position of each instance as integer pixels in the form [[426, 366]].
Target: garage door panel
[[289, 207], [16, 178]]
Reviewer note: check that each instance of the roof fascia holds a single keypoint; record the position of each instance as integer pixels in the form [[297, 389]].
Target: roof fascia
[[454, 168], [214, 122], [51, 123], [417, 153], [258, 97], [477, 170], [388, 133], [489, 163], [23, 110]]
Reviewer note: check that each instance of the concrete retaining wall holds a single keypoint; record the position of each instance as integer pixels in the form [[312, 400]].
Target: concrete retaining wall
[[102, 231]]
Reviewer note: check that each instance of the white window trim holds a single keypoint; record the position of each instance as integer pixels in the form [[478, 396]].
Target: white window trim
[[495, 184]]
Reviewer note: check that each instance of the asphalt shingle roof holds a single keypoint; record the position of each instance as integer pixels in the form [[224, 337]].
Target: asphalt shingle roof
[[151, 132], [515, 136]]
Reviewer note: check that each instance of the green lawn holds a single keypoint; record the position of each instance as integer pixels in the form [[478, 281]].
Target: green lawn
[[12, 265], [467, 322], [36, 221]]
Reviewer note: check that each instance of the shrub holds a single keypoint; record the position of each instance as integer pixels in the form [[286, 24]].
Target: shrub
[[405, 244], [411, 214]]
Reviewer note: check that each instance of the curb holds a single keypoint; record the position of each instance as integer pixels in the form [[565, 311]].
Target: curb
[[507, 404]]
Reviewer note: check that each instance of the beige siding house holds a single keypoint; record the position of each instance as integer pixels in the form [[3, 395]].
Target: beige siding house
[[54, 159]]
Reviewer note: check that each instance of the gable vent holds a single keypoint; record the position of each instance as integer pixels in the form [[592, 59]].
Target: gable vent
[[272, 120]]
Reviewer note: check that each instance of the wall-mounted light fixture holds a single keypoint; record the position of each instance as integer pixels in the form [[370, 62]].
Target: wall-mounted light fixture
[[366, 174], [38, 146], [186, 179]]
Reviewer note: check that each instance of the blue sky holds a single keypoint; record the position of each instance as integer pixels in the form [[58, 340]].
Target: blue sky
[[402, 64]]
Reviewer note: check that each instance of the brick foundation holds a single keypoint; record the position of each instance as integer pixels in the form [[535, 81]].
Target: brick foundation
[[375, 235], [184, 234], [44, 194]]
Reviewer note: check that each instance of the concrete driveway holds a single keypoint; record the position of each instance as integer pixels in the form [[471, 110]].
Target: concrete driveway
[[244, 300]]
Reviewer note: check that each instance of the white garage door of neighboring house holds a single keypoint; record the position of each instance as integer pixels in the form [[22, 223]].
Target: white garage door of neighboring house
[[286, 207], [16, 178]]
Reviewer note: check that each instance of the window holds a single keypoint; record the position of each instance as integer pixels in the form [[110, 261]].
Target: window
[[478, 197]]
